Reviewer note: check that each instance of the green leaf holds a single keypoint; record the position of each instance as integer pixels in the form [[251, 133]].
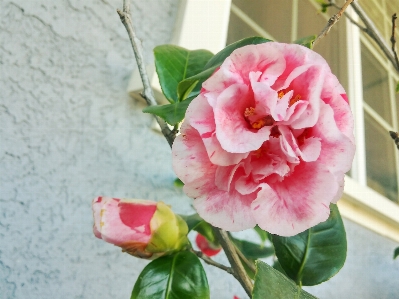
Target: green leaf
[[218, 59], [271, 284], [397, 87], [174, 64], [324, 5], [171, 113], [178, 276], [195, 222], [178, 183], [306, 41], [316, 254], [194, 83], [253, 250], [264, 235], [396, 253]]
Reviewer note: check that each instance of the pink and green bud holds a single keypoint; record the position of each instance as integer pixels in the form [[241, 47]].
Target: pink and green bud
[[208, 248], [142, 228]]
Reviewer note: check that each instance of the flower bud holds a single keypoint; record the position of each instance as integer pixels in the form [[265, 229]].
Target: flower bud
[[142, 228], [207, 247]]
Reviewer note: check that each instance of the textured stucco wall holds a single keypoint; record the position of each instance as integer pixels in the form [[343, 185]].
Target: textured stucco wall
[[69, 132]]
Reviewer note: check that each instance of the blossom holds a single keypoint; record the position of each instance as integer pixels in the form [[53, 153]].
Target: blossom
[[267, 141], [207, 247], [142, 228]]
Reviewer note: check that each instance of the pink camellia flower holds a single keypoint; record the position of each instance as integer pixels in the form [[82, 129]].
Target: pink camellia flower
[[143, 228], [207, 247], [267, 141]]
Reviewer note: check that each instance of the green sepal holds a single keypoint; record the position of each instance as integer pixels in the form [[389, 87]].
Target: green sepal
[[306, 41], [169, 231], [177, 276], [396, 253], [272, 284], [171, 113], [174, 64], [316, 254]]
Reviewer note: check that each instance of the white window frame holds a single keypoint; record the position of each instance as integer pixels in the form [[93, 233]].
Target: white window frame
[[207, 21]]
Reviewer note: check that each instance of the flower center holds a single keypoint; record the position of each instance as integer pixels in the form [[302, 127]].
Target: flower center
[[293, 100], [255, 121]]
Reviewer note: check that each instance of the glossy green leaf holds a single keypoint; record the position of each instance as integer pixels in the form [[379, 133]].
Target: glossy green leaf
[[195, 222], [277, 266], [396, 253], [264, 235], [178, 183], [218, 59], [316, 254], [272, 284], [306, 41], [178, 276], [252, 250], [174, 64], [171, 113], [194, 83]]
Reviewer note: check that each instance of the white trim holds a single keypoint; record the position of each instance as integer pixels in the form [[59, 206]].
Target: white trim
[[368, 208], [382, 122], [355, 95]]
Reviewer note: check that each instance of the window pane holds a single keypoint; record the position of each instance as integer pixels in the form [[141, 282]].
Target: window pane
[[380, 160], [375, 85], [273, 16], [238, 29], [375, 11], [333, 46]]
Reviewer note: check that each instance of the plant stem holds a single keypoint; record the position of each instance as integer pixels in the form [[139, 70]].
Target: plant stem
[[235, 262], [147, 94], [211, 262], [331, 22]]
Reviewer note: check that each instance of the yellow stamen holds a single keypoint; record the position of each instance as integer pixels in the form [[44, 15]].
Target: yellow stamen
[[258, 124], [281, 94], [249, 111], [294, 100]]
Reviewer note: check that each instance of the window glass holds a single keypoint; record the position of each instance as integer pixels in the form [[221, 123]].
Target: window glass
[[375, 85], [333, 46], [238, 29], [273, 16], [380, 160]]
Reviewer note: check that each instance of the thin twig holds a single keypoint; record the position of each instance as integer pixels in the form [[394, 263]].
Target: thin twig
[[249, 264], [211, 262], [231, 253], [395, 137], [148, 94], [350, 18], [331, 22], [373, 32], [393, 39]]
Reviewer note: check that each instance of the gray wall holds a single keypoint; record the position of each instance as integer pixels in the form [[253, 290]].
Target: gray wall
[[69, 132]]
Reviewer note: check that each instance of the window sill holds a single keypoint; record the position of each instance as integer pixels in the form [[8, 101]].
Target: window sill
[[368, 208]]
